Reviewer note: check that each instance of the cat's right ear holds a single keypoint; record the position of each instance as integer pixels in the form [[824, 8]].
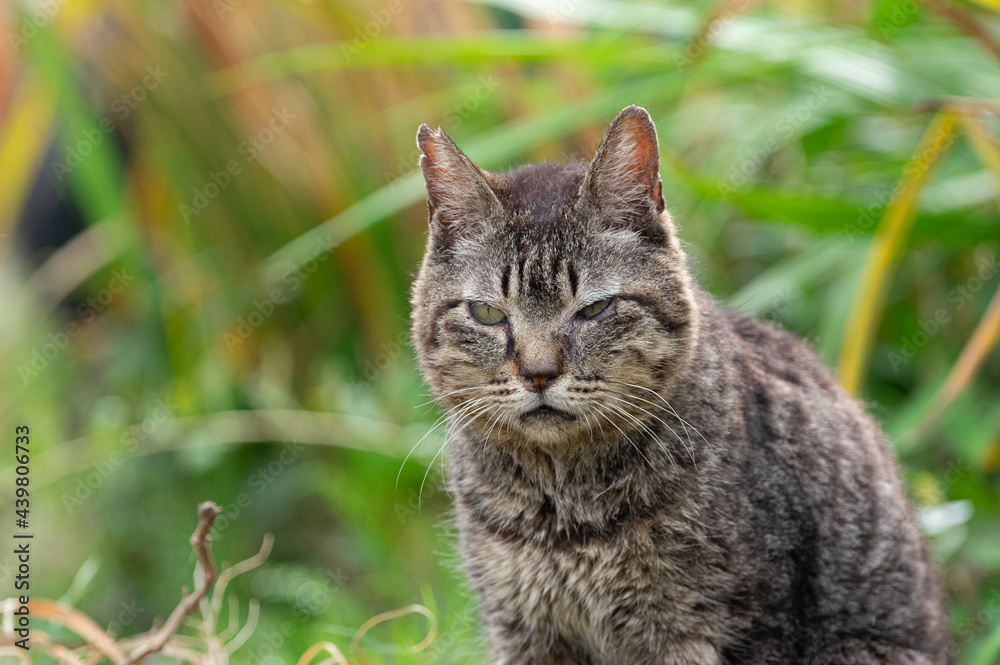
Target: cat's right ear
[[624, 177], [458, 195]]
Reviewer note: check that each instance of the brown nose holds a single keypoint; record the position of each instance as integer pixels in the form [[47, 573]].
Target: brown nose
[[537, 379]]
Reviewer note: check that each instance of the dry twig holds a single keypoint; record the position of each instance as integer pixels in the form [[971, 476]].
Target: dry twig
[[207, 512], [967, 23]]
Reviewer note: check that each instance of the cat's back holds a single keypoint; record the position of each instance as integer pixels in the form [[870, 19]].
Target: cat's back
[[824, 491], [775, 355], [788, 404]]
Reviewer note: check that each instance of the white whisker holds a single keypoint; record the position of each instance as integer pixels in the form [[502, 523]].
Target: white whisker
[[437, 423], [644, 427], [453, 392], [624, 435], [654, 416], [469, 414], [683, 422]]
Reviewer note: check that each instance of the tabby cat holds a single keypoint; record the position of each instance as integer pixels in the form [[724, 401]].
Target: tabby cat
[[640, 475]]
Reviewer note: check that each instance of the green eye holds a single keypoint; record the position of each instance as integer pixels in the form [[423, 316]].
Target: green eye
[[486, 314], [593, 309]]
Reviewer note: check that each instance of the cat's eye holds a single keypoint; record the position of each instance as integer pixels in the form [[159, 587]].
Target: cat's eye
[[487, 313], [593, 309]]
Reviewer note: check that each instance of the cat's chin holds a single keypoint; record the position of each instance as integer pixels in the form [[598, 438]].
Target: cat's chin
[[547, 425]]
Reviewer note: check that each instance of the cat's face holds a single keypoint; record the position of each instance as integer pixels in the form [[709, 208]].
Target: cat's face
[[553, 305]]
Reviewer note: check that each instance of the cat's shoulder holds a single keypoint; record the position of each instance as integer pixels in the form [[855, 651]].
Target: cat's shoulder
[[766, 348]]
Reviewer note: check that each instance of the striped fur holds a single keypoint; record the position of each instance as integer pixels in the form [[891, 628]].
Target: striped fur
[[691, 486]]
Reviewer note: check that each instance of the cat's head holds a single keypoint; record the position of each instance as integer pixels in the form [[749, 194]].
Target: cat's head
[[554, 303]]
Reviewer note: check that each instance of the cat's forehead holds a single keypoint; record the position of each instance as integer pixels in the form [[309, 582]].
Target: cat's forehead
[[537, 195], [541, 253], [541, 269]]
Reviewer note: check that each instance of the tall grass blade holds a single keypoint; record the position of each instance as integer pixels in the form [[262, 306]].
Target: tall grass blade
[[983, 143], [890, 238], [977, 349], [990, 651]]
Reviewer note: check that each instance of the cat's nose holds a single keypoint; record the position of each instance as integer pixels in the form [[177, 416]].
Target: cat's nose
[[539, 377]]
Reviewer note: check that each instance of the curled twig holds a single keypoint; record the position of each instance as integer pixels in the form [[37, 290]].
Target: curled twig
[[243, 566], [968, 105], [967, 23], [389, 616], [207, 512], [336, 656], [79, 623]]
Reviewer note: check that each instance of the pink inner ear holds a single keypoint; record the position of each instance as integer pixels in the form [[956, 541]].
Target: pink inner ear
[[658, 197], [642, 155], [456, 188], [430, 155], [435, 173]]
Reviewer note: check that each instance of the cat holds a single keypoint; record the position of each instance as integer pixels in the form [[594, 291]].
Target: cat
[[640, 475]]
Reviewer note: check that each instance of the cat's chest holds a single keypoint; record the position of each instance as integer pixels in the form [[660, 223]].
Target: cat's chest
[[627, 587], [577, 586]]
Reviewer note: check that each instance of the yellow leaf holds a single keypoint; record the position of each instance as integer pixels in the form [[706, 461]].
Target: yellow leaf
[[869, 303], [23, 139]]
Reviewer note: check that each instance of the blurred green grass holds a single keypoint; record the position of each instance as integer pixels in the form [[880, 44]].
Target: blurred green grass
[[243, 274]]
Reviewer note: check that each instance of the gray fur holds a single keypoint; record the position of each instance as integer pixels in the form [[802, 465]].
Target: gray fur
[[705, 492]]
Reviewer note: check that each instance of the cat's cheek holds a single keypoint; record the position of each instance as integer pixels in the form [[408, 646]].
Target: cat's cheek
[[638, 353], [605, 344], [475, 350]]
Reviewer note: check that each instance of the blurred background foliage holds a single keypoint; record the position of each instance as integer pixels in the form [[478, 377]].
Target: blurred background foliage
[[210, 217]]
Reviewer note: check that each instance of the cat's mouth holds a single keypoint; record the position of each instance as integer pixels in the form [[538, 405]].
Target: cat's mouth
[[547, 412]]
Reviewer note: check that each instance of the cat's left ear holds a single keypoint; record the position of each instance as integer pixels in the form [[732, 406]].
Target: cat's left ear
[[624, 177], [458, 194]]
